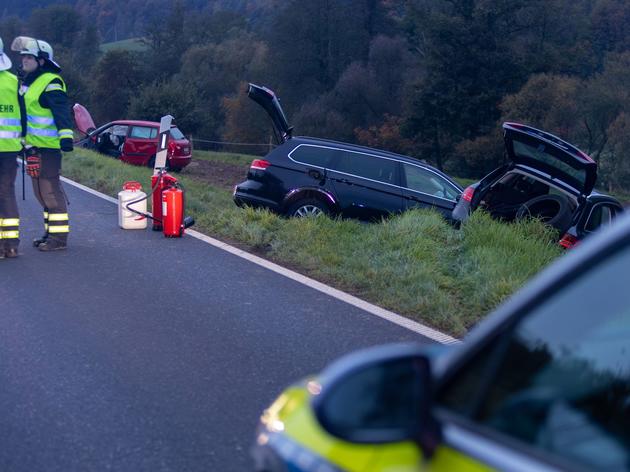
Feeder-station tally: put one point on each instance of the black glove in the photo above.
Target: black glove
(66, 144)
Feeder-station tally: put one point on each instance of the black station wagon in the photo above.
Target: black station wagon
(308, 176)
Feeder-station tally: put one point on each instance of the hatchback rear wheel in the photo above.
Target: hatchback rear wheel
(308, 207)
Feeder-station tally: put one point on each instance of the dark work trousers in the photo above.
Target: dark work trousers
(8, 203)
(48, 191)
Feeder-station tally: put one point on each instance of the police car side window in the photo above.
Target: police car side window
(560, 381)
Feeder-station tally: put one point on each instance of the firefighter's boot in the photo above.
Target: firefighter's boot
(38, 241)
(54, 243)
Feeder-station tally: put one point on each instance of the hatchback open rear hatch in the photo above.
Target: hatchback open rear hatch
(267, 99)
(562, 162)
(83, 119)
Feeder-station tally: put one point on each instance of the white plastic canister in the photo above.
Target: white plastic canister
(126, 219)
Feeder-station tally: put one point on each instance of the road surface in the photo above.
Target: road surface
(133, 352)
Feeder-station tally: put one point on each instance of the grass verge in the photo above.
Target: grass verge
(414, 264)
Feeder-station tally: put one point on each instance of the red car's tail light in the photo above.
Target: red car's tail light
(468, 193)
(259, 164)
(171, 147)
(568, 241)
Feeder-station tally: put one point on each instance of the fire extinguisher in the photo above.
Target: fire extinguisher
(167, 193)
(168, 205)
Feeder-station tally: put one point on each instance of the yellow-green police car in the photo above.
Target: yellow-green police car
(541, 384)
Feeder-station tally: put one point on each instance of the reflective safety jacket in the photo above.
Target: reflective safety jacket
(41, 129)
(10, 124)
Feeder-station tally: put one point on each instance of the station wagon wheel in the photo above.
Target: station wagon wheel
(309, 207)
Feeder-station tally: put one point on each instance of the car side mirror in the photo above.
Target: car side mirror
(380, 395)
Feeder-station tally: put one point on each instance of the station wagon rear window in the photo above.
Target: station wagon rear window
(549, 158)
(319, 156)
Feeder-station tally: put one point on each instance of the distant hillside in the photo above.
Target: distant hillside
(122, 19)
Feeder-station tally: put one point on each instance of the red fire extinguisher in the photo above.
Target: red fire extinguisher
(168, 206)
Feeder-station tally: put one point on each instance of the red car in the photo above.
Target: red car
(132, 141)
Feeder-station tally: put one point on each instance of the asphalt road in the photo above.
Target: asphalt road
(133, 352)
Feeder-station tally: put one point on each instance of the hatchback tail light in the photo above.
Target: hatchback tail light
(568, 241)
(468, 193)
(259, 164)
(171, 147)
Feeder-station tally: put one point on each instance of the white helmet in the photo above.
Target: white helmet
(34, 47)
(5, 62)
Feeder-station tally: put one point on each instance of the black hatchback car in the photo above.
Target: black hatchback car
(547, 178)
(308, 176)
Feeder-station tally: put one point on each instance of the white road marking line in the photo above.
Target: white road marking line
(330, 291)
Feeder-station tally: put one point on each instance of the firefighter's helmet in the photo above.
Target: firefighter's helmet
(5, 62)
(34, 47)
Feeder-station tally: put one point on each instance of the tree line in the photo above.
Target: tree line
(432, 79)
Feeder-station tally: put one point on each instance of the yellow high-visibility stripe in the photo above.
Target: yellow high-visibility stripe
(10, 234)
(10, 222)
(59, 229)
(57, 217)
(45, 215)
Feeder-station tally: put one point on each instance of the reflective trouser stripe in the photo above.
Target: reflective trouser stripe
(58, 223)
(46, 220)
(9, 228)
(57, 217)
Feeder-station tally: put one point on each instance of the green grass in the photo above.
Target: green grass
(227, 157)
(414, 264)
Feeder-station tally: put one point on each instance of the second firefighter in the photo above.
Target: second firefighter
(45, 109)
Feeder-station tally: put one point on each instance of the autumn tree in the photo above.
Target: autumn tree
(117, 76)
(166, 98)
(312, 43)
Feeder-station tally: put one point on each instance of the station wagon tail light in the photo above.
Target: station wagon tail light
(568, 241)
(468, 193)
(259, 164)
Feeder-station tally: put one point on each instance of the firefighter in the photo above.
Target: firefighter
(46, 114)
(10, 146)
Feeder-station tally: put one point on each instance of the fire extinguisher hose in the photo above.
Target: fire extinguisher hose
(146, 197)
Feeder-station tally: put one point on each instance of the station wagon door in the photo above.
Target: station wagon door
(423, 188)
(366, 185)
